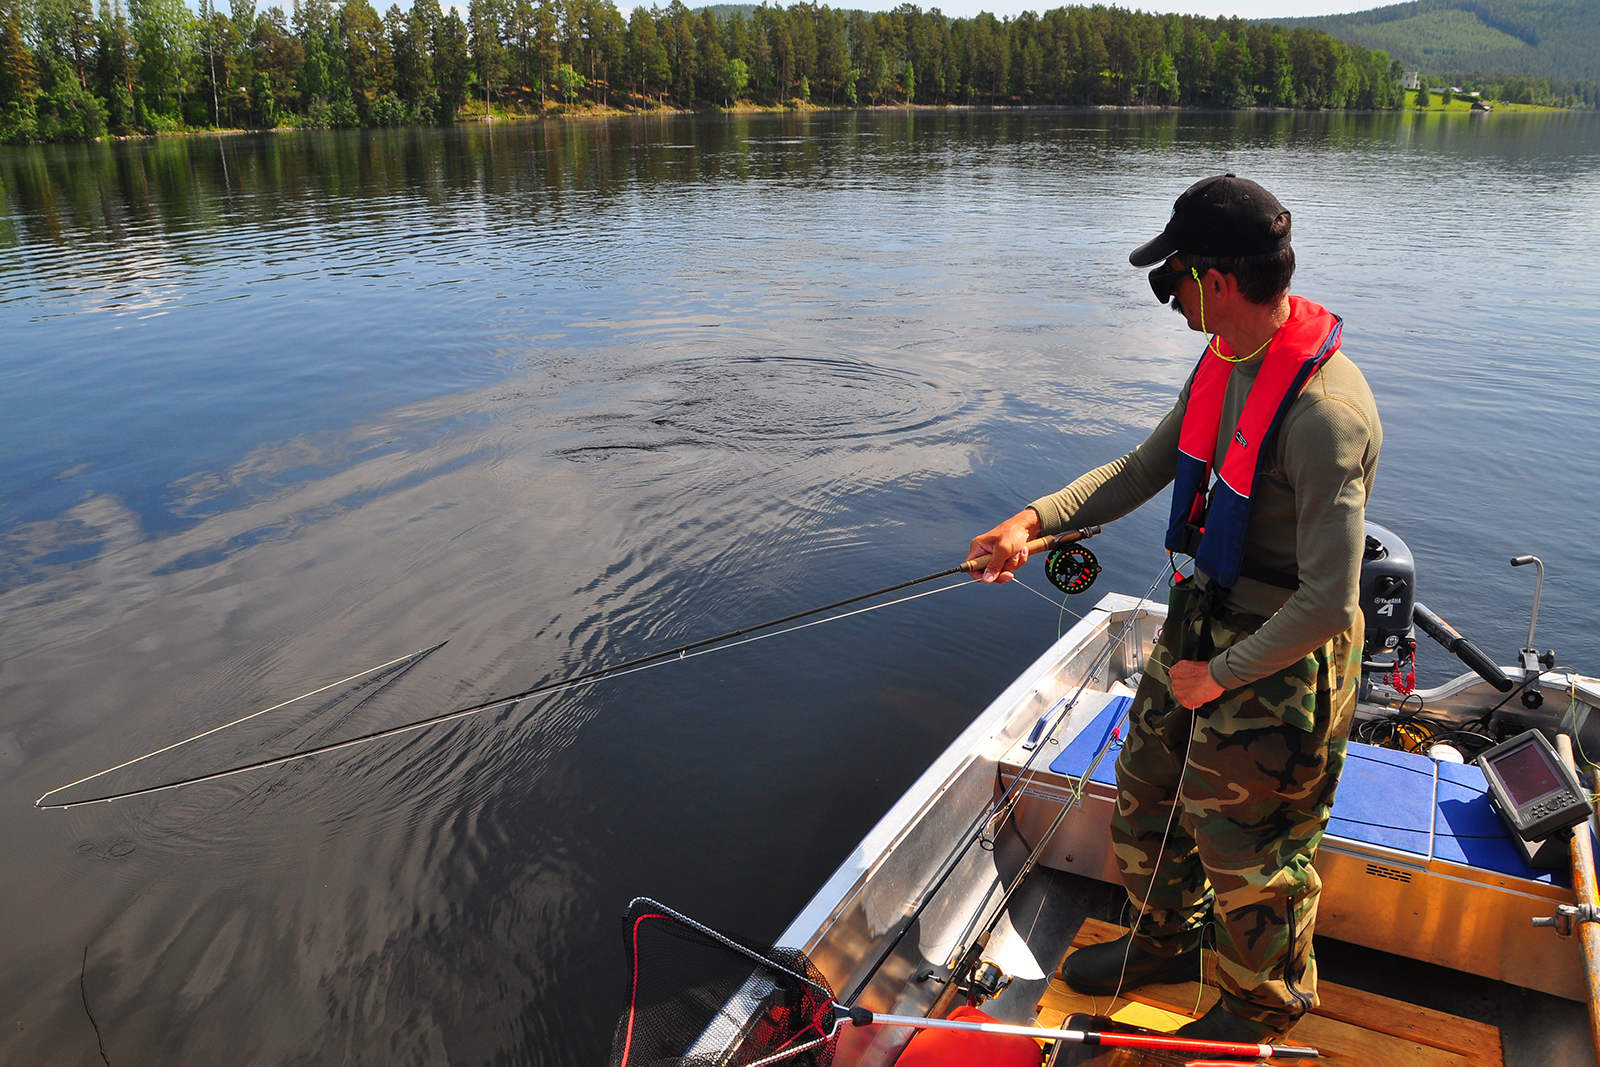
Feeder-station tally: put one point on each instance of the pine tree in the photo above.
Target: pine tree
(114, 68)
(548, 45)
(80, 38)
(485, 24)
(451, 63)
(18, 81)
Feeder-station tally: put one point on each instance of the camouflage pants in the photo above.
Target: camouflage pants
(1256, 792)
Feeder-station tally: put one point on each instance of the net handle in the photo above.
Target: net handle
(1162, 1042)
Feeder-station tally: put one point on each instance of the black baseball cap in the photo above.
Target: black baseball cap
(1224, 217)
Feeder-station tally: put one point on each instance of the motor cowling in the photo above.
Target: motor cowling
(1388, 594)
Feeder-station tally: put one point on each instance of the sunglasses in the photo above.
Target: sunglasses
(1164, 283)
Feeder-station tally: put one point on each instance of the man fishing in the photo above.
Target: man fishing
(1237, 734)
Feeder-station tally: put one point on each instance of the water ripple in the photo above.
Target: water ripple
(280, 407)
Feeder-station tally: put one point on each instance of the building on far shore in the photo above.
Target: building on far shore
(1410, 80)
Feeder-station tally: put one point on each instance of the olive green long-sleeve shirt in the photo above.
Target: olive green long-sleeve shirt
(1307, 517)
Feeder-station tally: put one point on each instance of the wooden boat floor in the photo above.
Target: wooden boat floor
(1350, 1026)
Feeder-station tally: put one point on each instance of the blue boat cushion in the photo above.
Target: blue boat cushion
(1074, 759)
(1385, 798)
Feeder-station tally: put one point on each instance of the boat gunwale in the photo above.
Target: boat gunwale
(1004, 721)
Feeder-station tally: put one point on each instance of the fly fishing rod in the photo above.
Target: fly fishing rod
(971, 566)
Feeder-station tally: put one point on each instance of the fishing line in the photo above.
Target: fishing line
(681, 652)
(1008, 802)
(417, 655)
(631, 667)
(1155, 869)
(1047, 599)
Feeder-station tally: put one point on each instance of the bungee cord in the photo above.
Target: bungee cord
(654, 659)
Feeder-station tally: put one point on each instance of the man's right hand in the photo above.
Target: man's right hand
(1006, 545)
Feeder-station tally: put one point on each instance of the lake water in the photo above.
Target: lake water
(278, 408)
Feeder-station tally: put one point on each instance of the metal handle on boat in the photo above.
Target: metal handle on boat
(1036, 546)
(1538, 587)
(1584, 893)
(1568, 914)
(1463, 649)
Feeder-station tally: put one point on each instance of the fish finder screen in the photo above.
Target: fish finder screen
(1527, 775)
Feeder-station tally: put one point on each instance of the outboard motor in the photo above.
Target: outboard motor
(1388, 597)
(1389, 602)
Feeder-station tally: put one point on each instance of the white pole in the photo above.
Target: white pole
(1246, 1049)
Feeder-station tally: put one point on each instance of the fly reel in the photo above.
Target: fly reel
(1071, 568)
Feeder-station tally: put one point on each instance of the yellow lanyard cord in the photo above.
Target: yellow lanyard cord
(1212, 343)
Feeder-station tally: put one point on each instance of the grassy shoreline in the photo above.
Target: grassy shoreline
(591, 113)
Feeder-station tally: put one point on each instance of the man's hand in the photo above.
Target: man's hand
(1006, 545)
(1192, 684)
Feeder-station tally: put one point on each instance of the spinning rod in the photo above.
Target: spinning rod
(971, 566)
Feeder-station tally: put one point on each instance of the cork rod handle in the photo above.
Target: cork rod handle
(1041, 544)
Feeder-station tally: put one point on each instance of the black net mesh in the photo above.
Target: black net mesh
(697, 998)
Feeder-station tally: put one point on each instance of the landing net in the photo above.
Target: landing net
(699, 998)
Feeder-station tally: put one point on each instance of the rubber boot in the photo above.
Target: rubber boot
(1117, 966)
(1219, 1024)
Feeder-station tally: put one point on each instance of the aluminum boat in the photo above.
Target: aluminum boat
(1425, 903)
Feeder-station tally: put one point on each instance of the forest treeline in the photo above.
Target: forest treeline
(75, 69)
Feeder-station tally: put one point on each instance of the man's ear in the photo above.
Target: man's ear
(1222, 286)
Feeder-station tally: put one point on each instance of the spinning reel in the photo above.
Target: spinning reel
(1071, 568)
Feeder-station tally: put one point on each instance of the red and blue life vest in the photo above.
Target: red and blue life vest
(1296, 352)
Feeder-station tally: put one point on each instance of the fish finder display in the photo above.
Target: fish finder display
(1534, 792)
(1528, 775)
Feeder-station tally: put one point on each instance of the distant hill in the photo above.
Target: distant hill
(1543, 38)
(1557, 39)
